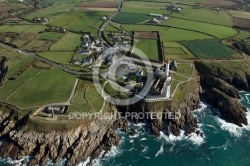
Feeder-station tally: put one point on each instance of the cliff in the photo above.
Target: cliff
(219, 81)
(75, 145)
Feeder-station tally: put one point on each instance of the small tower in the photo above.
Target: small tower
(167, 63)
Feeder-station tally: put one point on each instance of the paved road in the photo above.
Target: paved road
(104, 25)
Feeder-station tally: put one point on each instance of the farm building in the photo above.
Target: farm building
(55, 109)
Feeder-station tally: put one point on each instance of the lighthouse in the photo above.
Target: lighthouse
(167, 64)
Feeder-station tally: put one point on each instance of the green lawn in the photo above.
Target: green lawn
(87, 99)
(131, 18)
(209, 49)
(68, 42)
(59, 57)
(51, 36)
(214, 30)
(49, 86)
(185, 69)
(150, 48)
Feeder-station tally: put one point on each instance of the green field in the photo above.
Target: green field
(80, 21)
(36, 29)
(59, 57)
(68, 42)
(51, 36)
(131, 18)
(87, 99)
(176, 51)
(240, 14)
(53, 11)
(11, 85)
(49, 86)
(174, 34)
(17, 65)
(4, 27)
(150, 48)
(131, 27)
(168, 34)
(203, 14)
(209, 49)
(37, 45)
(218, 31)
(13, 56)
(18, 28)
(144, 7)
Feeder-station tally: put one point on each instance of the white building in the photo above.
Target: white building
(167, 67)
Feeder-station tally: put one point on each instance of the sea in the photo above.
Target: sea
(222, 144)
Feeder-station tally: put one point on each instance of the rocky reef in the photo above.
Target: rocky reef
(75, 145)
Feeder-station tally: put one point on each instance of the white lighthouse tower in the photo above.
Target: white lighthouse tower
(167, 66)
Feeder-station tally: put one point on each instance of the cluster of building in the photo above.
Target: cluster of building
(40, 20)
(55, 29)
(160, 87)
(158, 18)
(56, 109)
(89, 45)
(174, 8)
(109, 56)
(120, 38)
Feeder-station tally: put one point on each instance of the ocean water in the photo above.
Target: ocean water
(222, 144)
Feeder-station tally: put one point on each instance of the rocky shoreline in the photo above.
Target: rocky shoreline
(75, 145)
(100, 135)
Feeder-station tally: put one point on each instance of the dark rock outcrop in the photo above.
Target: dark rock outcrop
(218, 83)
(230, 108)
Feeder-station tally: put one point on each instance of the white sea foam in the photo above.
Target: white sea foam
(16, 162)
(134, 136)
(113, 152)
(139, 125)
(160, 151)
(85, 162)
(232, 128)
(248, 98)
(59, 163)
(203, 106)
(196, 139)
(143, 139)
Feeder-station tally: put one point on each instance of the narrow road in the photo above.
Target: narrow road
(105, 24)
